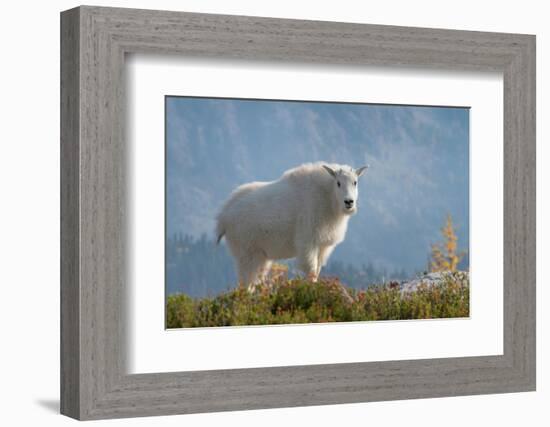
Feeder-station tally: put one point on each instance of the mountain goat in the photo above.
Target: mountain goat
(303, 214)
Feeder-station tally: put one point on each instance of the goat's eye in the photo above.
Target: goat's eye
(338, 183)
(355, 183)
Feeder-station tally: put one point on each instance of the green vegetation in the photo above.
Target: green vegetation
(284, 301)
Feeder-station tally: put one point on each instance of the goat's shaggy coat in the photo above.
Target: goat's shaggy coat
(304, 214)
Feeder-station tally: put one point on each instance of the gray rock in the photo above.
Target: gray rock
(434, 279)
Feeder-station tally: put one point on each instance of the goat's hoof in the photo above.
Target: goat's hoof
(312, 277)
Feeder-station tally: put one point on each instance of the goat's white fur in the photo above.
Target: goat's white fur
(303, 214)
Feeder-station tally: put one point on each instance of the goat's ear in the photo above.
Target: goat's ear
(361, 170)
(330, 171)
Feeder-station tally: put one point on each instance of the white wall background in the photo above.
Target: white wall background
(29, 213)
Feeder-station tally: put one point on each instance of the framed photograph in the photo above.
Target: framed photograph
(261, 213)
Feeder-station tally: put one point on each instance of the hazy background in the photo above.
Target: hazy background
(418, 157)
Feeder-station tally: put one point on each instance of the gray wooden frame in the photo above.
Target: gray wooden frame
(94, 41)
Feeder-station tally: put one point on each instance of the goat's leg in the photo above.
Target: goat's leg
(324, 253)
(264, 270)
(308, 259)
(251, 268)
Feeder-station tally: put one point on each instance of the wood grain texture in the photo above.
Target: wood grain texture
(94, 382)
(70, 220)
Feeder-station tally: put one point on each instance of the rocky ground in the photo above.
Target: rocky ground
(433, 279)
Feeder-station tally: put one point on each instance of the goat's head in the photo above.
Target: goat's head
(345, 187)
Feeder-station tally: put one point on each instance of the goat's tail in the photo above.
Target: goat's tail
(220, 231)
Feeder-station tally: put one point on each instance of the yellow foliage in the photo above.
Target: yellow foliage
(444, 255)
(278, 272)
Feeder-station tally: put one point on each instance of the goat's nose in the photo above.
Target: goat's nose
(349, 202)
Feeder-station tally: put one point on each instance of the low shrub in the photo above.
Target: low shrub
(284, 301)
